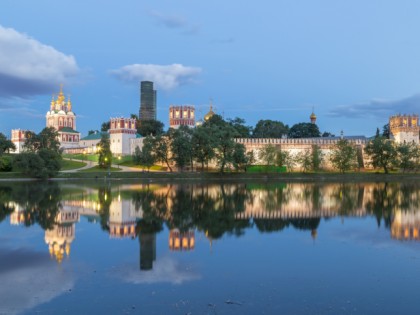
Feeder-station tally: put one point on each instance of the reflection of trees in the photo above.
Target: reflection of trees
(270, 225)
(5, 208)
(305, 224)
(389, 197)
(40, 202)
(209, 208)
(349, 197)
(104, 199)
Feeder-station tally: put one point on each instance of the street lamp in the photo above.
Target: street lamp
(119, 161)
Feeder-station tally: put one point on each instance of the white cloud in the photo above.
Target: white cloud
(29, 279)
(28, 67)
(164, 270)
(378, 108)
(165, 77)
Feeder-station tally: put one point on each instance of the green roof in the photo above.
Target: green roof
(138, 135)
(68, 129)
(95, 136)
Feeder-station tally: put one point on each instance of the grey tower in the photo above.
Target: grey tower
(147, 101)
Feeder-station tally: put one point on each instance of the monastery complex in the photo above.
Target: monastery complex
(124, 138)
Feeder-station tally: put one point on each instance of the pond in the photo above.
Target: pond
(123, 247)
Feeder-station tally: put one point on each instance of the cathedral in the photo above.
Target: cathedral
(61, 117)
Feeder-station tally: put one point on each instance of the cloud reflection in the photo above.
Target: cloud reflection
(28, 279)
(164, 270)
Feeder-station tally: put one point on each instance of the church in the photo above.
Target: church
(61, 117)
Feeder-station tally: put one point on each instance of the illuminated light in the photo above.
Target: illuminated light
(415, 233)
(406, 232)
(184, 242)
(177, 243)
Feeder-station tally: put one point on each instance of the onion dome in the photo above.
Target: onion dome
(210, 114)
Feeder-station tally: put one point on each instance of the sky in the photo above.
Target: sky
(354, 62)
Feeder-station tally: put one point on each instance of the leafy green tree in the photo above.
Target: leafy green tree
(327, 134)
(6, 163)
(270, 129)
(147, 158)
(386, 132)
(242, 131)
(222, 137)
(181, 146)
(268, 154)
(150, 127)
(5, 144)
(162, 150)
(304, 158)
(104, 149)
(137, 156)
(343, 156)
(239, 158)
(382, 153)
(52, 161)
(285, 158)
(408, 154)
(30, 164)
(46, 139)
(317, 157)
(250, 158)
(105, 126)
(304, 130)
(202, 146)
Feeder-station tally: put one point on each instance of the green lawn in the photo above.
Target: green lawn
(71, 165)
(82, 157)
(97, 169)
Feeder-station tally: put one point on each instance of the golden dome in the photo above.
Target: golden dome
(313, 116)
(210, 114)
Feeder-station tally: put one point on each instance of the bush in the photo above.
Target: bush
(6, 164)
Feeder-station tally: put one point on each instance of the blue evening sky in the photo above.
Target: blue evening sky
(356, 62)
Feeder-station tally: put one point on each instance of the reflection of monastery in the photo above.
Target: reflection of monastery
(288, 203)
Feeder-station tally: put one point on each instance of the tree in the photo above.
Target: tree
(46, 139)
(285, 158)
(382, 153)
(105, 126)
(268, 154)
(181, 146)
(327, 134)
(150, 127)
(147, 158)
(408, 154)
(105, 154)
(202, 146)
(239, 158)
(386, 132)
(238, 124)
(270, 129)
(343, 156)
(30, 164)
(161, 150)
(304, 158)
(91, 132)
(317, 157)
(5, 144)
(304, 130)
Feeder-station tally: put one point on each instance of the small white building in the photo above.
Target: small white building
(120, 132)
(19, 137)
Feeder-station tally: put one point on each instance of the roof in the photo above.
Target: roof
(95, 136)
(68, 129)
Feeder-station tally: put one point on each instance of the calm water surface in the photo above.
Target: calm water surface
(277, 248)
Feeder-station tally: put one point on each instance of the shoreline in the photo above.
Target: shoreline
(175, 176)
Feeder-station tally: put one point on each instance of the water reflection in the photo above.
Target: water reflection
(142, 211)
